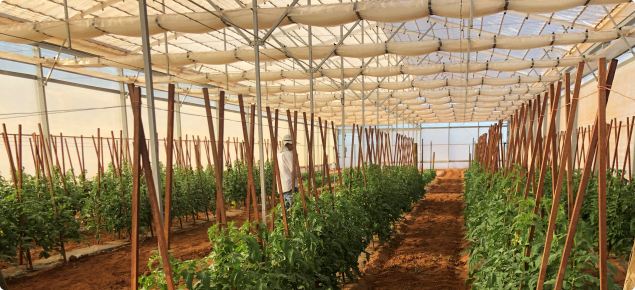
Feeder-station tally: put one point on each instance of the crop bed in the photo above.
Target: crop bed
(498, 220)
(425, 253)
(110, 270)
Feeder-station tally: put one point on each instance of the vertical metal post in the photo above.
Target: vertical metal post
(152, 126)
(263, 189)
(122, 103)
(421, 142)
(449, 143)
(363, 107)
(177, 116)
(377, 102)
(467, 60)
(217, 121)
(311, 105)
(430, 154)
(41, 103)
(165, 37)
(343, 100)
(68, 29)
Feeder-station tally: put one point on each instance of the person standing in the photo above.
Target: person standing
(285, 164)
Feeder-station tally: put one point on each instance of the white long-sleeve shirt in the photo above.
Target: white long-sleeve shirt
(285, 164)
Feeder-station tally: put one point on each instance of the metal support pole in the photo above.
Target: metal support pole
(311, 105)
(377, 102)
(421, 144)
(363, 108)
(343, 100)
(68, 29)
(449, 145)
(430, 154)
(467, 61)
(122, 103)
(41, 103)
(177, 117)
(256, 42)
(630, 47)
(152, 126)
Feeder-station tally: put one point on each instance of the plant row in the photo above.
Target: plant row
(323, 245)
(45, 215)
(498, 221)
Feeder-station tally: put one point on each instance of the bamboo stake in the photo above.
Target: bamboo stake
(564, 159)
(218, 167)
(293, 127)
(220, 197)
(530, 180)
(607, 81)
(50, 182)
(570, 114)
(629, 135)
(614, 165)
(169, 173)
(141, 149)
(337, 155)
(548, 147)
(323, 134)
(352, 155)
(276, 170)
(250, 181)
(309, 142)
(602, 164)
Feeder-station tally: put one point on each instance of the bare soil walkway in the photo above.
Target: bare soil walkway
(426, 251)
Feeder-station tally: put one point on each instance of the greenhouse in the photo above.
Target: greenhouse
(318, 144)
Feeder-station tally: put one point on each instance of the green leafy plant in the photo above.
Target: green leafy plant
(498, 221)
(311, 257)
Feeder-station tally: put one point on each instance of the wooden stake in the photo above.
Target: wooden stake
(564, 159)
(140, 147)
(167, 211)
(606, 80)
(276, 170)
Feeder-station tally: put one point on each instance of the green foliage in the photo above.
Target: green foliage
(498, 221)
(38, 220)
(99, 206)
(312, 256)
(235, 181)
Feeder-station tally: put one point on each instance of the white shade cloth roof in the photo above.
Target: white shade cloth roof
(421, 70)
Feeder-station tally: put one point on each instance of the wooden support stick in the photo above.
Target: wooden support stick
(614, 164)
(167, 211)
(250, 181)
(337, 155)
(548, 149)
(293, 127)
(218, 167)
(564, 159)
(629, 135)
(602, 166)
(606, 79)
(142, 150)
(276, 170)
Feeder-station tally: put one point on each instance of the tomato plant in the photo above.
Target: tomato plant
(498, 220)
(312, 256)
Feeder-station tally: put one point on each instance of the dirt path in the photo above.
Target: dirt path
(426, 251)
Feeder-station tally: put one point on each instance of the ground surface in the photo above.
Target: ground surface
(426, 251)
(111, 270)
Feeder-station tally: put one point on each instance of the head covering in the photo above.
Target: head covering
(287, 139)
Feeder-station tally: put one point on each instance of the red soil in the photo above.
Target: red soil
(426, 251)
(111, 270)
